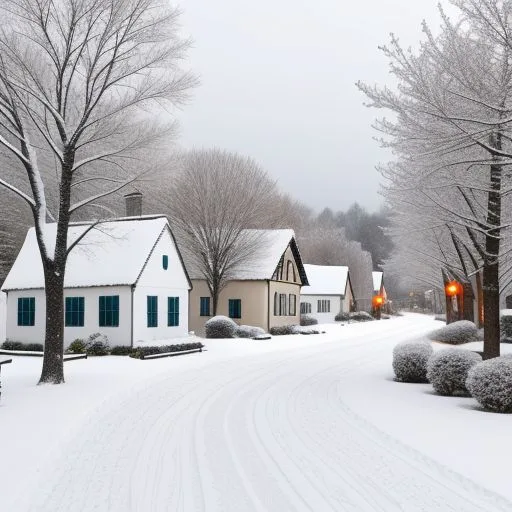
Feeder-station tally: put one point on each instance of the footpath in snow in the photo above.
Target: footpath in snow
(311, 423)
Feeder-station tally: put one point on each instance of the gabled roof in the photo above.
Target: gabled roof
(325, 280)
(272, 244)
(111, 253)
(377, 281)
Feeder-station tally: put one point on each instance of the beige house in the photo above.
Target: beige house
(264, 293)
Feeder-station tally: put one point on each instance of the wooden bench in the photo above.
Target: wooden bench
(2, 362)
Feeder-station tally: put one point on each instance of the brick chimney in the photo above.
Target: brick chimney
(133, 203)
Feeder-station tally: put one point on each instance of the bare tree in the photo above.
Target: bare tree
(77, 78)
(218, 201)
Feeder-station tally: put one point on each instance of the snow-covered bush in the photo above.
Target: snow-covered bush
(342, 317)
(283, 330)
(77, 346)
(307, 320)
(220, 327)
(24, 347)
(361, 316)
(410, 361)
(142, 352)
(121, 350)
(490, 383)
(506, 327)
(456, 333)
(447, 370)
(97, 345)
(248, 331)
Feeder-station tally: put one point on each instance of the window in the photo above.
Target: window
(165, 261)
(282, 304)
(26, 311)
(235, 308)
(305, 308)
(173, 311)
(109, 311)
(152, 311)
(324, 306)
(290, 272)
(276, 304)
(292, 304)
(74, 316)
(204, 306)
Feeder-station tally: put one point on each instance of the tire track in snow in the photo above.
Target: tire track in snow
(267, 432)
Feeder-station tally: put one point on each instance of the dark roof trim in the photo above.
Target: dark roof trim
(298, 259)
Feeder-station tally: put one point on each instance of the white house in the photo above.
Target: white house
(329, 292)
(125, 279)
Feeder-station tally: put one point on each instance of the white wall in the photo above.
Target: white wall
(154, 280)
(3, 299)
(35, 334)
(323, 318)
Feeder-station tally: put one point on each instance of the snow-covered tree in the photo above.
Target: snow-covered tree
(218, 202)
(77, 79)
(451, 135)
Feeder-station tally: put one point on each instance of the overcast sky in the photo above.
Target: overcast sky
(277, 84)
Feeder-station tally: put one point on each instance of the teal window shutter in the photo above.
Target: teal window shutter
(26, 311)
(204, 306)
(165, 261)
(152, 311)
(235, 308)
(74, 312)
(109, 311)
(173, 311)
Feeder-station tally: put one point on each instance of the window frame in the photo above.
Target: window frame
(283, 304)
(151, 311)
(205, 311)
(74, 311)
(26, 311)
(108, 316)
(173, 313)
(292, 311)
(235, 308)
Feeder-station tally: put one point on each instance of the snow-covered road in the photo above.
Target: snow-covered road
(251, 432)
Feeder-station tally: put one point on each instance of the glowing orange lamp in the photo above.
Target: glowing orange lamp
(452, 288)
(378, 300)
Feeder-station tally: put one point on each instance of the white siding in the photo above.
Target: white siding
(3, 299)
(162, 283)
(323, 318)
(35, 334)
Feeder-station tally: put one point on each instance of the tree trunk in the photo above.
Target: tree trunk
(54, 270)
(491, 284)
(53, 362)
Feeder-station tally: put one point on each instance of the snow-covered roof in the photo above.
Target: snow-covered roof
(111, 253)
(325, 280)
(270, 244)
(377, 281)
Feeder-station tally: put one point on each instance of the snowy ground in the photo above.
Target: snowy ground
(297, 423)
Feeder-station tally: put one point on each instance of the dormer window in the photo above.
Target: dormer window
(165, 261)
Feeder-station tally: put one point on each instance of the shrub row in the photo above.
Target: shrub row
(306, 320)
(140, 352)
(457, 372)
(25, 347)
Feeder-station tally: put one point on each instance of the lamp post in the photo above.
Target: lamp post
(377, 301)
(454, 309)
